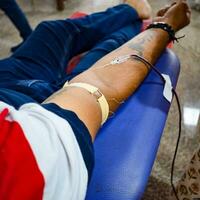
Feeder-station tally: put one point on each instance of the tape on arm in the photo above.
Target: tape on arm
(97, 94)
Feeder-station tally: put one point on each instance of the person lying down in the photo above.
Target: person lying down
(49, 119)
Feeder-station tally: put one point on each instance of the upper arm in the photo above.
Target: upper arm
(39, 150)
(82, 103)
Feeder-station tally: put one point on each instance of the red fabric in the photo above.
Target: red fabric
(20, 177)
(72, 63)
(146, 23)
(78, 15)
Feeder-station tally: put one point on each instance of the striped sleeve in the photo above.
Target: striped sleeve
(39, 156)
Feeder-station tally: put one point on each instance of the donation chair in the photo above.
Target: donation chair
(127, 144)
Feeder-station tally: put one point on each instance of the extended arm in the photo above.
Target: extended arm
(118, 82)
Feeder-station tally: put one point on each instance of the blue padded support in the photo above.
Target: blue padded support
(126, 146)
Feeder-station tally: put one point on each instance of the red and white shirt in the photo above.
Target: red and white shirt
(39, 156)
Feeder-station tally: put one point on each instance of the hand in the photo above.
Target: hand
(177, 15)
(162, 11)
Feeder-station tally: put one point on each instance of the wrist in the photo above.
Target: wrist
(167, 21)
(165, 27)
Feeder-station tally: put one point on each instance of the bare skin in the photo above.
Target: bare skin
(118, 82)
(142, 6)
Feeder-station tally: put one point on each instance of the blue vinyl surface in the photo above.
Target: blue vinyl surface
(126, 146)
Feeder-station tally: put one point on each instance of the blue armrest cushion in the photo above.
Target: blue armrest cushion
(126, 146)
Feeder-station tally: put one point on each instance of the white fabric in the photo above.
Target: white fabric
(56, 151)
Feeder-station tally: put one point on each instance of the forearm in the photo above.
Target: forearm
(116, 82)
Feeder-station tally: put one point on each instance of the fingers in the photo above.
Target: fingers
(188, 14)
(185, 5)
(163, 11)
(187, 10)
(173, 3)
